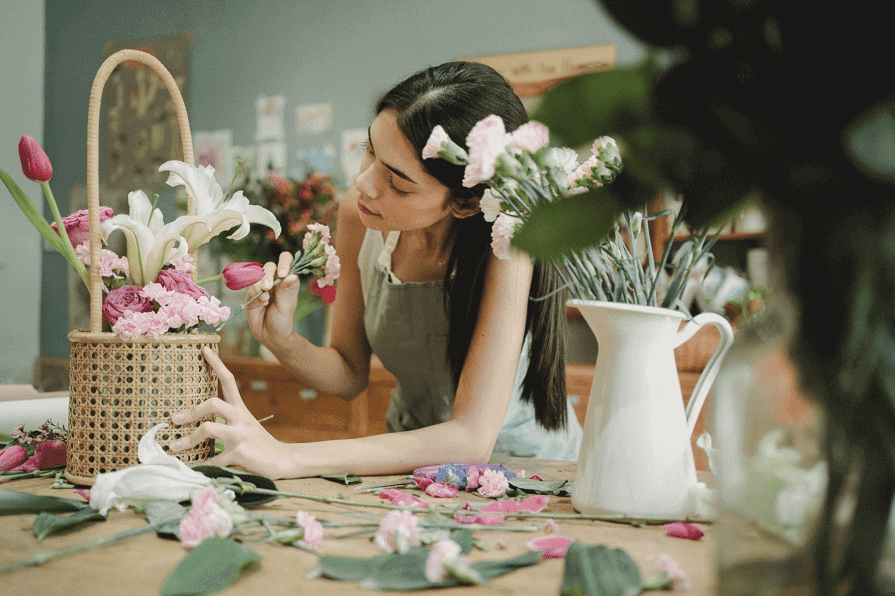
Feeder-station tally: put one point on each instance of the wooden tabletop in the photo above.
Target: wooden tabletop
(141, 564)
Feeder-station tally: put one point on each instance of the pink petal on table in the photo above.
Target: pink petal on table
(397, 497)
(554, 547)
(441, 489)
(423, 482)
(536, 477)
(481, 519)
(84, 493)
(684, 530)
(533, 504)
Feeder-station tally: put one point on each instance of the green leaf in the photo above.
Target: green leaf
(540, 487)
(166, 515)
(342, 478)
(48, 523)
(599, 571)
(15, 503)
(610, 102)
(555, 229)
(350, 569)
(307, 303)
(212, 566)
(245, 499)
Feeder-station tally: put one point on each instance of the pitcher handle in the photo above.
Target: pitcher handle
(701, 390)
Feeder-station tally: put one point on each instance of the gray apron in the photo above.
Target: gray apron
(407, 329)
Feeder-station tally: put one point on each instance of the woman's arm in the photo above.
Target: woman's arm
(342, 368)
(484, 391)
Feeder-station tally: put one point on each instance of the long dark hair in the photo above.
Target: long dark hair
(457, 95)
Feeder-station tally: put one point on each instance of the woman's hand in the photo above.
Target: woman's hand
(272, 314)
(246, 443)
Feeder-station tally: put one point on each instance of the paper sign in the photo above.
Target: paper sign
(353, 147)
(214, 148)
(268, 157)
(270, 118)
(314, 118)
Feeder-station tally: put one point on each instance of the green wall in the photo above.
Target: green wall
(345, 52)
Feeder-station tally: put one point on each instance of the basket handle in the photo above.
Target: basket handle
(93, 187)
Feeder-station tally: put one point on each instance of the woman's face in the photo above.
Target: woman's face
(395, 192)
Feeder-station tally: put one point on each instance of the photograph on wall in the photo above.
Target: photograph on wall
(213, 148)
(314, 118)
(269, 119)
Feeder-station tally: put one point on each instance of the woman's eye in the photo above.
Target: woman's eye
(398, 191)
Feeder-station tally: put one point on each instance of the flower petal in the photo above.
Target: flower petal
(684, 530)
(554, 547)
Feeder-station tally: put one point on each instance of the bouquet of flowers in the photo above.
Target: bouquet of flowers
(298, 205)
(523, 173)
(152, 291)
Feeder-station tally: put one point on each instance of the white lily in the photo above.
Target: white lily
(208, 213)
(149, 240)
(159, 476)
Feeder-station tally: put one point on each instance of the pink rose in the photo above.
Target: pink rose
(125, 299)
(48, 454)
(35, 164)
(486, 142)
(181, 282)
(492, 483)
(77, 225)
(313, 530)
(11, 457)
(530, 137)
(398, 531)
(242, 275)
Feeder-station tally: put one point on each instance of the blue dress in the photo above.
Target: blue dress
(408, 330)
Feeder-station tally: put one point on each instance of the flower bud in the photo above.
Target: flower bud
(242, 275)
(35, 164)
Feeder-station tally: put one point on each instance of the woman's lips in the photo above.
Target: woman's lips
(364, 209)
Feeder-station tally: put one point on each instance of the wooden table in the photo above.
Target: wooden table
(140, 565)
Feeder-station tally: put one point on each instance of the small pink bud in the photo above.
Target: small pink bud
(242, 275)
(35, 163)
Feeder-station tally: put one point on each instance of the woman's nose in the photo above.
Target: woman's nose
(364, 181)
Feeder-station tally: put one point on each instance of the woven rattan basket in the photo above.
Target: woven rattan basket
(120, 389)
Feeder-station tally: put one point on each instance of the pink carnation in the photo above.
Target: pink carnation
(206, 519)
(486, 142)
(313, 530)
(77, 225)
(397, 531)
(111, 265)
(434, 143)
(502, 233)
(678, 577)
(441, 489)
(312, 228)
(492, 483)
(132, 325)
(530, 137)
(180, 281)
(331, 269)
(185, 263)
(211, 311)
(442, 552)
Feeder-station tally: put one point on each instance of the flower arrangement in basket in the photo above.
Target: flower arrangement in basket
(150, 365)
(523, 173)
(299, 205)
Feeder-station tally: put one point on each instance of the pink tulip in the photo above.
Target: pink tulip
(35, 164)
(11, 457)
(77, 225)
(242, 275)
(684, 530)
(48, 454)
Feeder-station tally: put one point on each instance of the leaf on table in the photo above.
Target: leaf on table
(342, 478)
(49, 523)
(15, 503)
(597, 570)
(166, 515)
(247, 499)
(542, 487)
(212, 566)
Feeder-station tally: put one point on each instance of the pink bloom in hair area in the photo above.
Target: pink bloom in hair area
(313, 530)
(492, 483)
(206, 519)
(486, 142)
(502, 233)
(434, 143)
(530, 137)
(77, 225)
(398, 532)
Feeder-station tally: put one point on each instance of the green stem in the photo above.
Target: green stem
(209, 280)
(71, 256)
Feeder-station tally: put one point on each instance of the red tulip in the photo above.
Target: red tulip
(242, 275)
(48, 454)
(35, 163)
(11, 457)
(327, 293)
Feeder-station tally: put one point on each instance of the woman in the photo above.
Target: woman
(480, 366)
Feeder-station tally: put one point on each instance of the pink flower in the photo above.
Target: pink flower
(492, 483)
(35, 164)
(48, 454)
(132, 325)
(398, 531)
(211, 311)
(554, 547)
(327, 293)
(442, 552)
(473, 475)
(77, 225)
(530, 137)
(111, 265)
(534, 504)
(684, 530)
(422, 483)
(309, 235)
(441, 489)
(502, 233)
(84, 493)
(242, 275)
(206, 519)
(11, 457)
(313, 530)
(550, 525)
(331, 269)
(434, 143)
(583, 175)
(397, 497)
(486, 142)
(483, 519)
(185, 263)
(125, 299)
(180, 281)
(678, 577)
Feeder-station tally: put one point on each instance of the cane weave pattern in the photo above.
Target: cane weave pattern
(119, 390)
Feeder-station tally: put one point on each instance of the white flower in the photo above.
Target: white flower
(563, 158)
(158, 477)
(502, 233)
(208, 213)
(441, 553)
(490, 205)
(149, 241)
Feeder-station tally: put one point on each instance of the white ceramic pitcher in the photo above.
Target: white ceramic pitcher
(636, 456)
